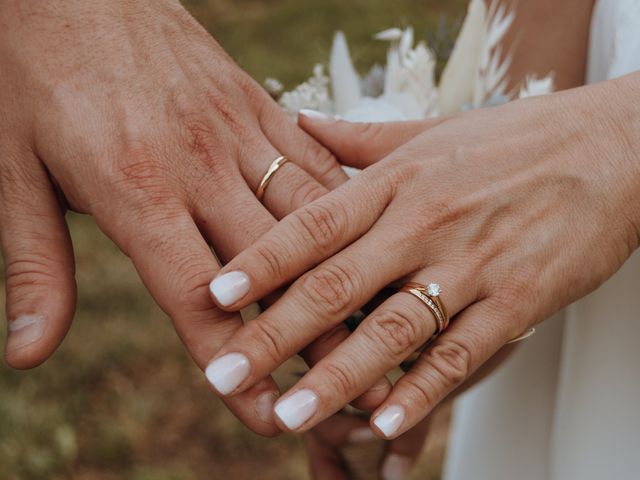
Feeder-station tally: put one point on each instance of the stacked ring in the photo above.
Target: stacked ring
(430, 296)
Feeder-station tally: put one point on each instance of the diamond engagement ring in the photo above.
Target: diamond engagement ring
(430, 296)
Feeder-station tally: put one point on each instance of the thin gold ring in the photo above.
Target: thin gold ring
(529, 333)
(271, 171)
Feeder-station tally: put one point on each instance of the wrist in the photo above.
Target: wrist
(626, 110)
(617, 114)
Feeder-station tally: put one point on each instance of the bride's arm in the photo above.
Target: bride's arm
(550, 36)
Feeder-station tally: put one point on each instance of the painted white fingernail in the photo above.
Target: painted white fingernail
(24, 331)
(227, 372)
(296, 409)
(264, 406)
(230, 287)
(315, 115)
(389, 420)
(359, 435)
(395, 467)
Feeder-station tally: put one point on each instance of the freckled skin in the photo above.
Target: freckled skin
(129, 111)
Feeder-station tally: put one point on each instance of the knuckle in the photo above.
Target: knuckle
(227, 110)
(443, 368)
(332, 288)
(422, 390)
(394, 330)
(321, 225)
(441, 220)
(197, 135)
(198, 138)
(30, 271)
(139, 171)
(450, 361)
(305, 193)
(510, 295)
(343, 381)
(191, 286)
(320, 161)
(270, 260)
(254, 94)
(13, 176)
(442, 214)
(185, 289)
(514, 300)
(275, 345)
(139, 180)
(369, 129)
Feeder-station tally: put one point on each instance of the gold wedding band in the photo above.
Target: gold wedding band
(529, 333)
(271, 171)
(430, 296)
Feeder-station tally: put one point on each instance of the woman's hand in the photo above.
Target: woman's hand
(139, 118)
(516, 211)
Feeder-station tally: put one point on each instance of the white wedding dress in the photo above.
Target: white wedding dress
(566, 406)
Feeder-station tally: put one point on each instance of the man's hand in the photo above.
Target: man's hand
(133, 113)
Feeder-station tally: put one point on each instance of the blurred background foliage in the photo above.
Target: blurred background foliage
(121, 399)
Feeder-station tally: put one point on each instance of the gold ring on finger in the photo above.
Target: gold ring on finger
(271, 171)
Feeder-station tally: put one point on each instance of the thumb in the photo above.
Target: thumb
(39, 266)
(360, 145)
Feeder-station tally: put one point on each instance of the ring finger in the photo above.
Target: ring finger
(478, 333)
(290, 186)
(384, 339)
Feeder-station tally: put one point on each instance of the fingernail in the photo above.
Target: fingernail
(24, 331)
(230, 287)
(264, 406)
(227, 372)
(395, 467)
(315, 115)
(296, 409)
(359, 435)
(389, 420)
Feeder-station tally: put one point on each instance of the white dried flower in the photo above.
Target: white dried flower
(405, 89)
(390, 35)
(313, 94)
(273, 87)
(534, 86)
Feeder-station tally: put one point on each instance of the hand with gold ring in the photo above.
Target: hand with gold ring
(515, 211)
(140, 119)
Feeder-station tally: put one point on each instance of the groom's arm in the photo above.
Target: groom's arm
(138, 117)
(550, 36)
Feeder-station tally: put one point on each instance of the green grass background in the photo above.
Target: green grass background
(120, 399)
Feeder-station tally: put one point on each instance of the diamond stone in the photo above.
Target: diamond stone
(434, 290)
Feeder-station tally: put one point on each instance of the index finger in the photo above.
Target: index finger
(301, 241)
(174, 263)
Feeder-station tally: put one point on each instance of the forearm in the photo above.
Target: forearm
(550, 36)
(620, 107)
